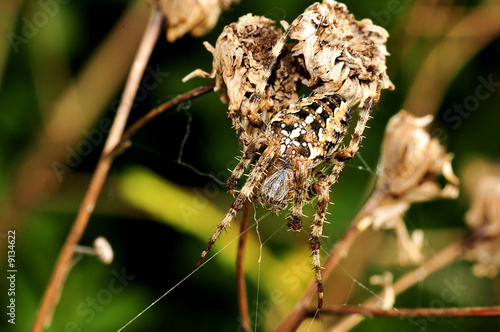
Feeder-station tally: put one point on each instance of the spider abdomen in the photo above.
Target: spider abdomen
(311, 129)
(276, 187)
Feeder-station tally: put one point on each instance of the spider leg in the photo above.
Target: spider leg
(357, 136)
(266, 160)
(321, 188)
(300, 177)
(241, 132)
(245, 161)
(256, 96)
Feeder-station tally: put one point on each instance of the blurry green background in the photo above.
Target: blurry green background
(62, 69)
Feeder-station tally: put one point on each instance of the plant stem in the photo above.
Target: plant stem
(339, 250)
(56, 281)
(493, 311)
(122, 144)
(445, 257)
(240, 270)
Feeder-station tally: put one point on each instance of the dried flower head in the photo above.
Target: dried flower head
(483, 218)
(340, 54)
(411, 163)
(196, 17)
(241, 56)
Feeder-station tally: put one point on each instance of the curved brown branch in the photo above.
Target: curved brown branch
(56, 281)
(122, 144)
(240, 270)
(37, 176)
(493, 311)
(442, 259)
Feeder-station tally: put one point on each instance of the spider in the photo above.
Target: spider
(286, 156)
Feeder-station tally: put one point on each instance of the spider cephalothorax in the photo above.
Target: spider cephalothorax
(287, 140)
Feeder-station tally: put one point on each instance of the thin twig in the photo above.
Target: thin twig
(339, 250)
(493, 311)
(157, 111)
(42, 167)
(240, 270)
(138, 67)
(442, 259)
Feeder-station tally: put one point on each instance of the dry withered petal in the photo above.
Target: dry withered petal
(411, 163)
(195, 16)
(340, 54)
(241, 56)
(337, 54)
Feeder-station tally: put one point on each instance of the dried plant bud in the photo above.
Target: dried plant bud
(101, 248)
(411, 163)
(196, 17)
(483, 218)
(389, 295)
(241, 57)
(340, 54)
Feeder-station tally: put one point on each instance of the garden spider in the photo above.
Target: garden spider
(288, 149)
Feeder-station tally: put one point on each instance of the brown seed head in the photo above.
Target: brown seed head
(412, 161)
(242, 54)
(195, 16)
(340, 54)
